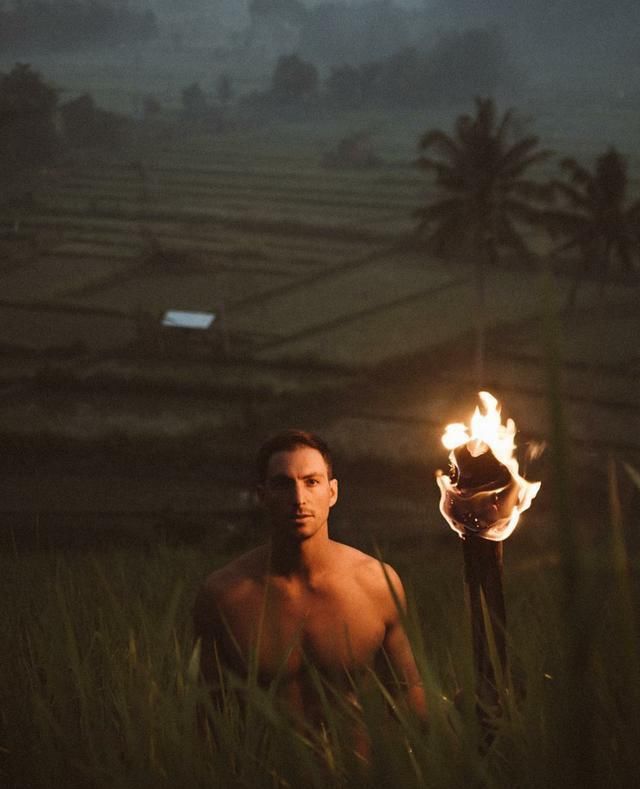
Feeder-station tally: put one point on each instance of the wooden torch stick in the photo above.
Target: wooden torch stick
(483, 578)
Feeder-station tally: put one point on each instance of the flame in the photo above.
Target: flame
(489, 509)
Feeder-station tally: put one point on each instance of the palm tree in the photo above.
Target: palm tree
(483, 196)
(597, 219)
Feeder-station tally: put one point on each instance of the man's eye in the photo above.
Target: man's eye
(313, 482)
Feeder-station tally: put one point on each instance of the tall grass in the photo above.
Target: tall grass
(99, 685)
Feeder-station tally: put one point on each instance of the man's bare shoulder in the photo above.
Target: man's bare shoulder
(234, 579)
(378, 577)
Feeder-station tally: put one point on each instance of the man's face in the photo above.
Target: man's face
(297, 492)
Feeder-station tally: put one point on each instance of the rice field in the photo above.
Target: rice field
(306, 261)
(235, 223)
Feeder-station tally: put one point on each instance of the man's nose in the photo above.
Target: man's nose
(300, 493)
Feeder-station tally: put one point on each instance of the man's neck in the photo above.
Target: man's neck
(302, 560)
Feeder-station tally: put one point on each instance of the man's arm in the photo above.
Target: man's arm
(398, 648)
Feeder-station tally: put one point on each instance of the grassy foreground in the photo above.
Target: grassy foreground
(98, 684)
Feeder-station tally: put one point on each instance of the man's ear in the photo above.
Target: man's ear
(333, 487)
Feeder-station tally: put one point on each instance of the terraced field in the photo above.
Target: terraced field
(220, 221)
(300, 263)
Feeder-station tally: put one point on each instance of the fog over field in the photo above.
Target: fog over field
(559, 45)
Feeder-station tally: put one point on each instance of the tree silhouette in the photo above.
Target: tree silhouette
(28, 135)
(596, 219)
(28, 138)
(85, 125)
(483, 196)
(294, 81)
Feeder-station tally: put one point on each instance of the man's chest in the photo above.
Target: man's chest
(334, 630)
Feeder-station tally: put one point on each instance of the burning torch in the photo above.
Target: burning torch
(482, 498)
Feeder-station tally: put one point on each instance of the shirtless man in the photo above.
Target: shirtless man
(303, 598)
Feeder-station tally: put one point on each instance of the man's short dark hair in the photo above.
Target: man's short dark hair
(287, 441)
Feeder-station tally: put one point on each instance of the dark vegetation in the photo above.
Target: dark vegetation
(486, 198)
(45, 26)
(597, 219)
(37, 132)
(198, 111)
(453, 70)
(28, 136)
(84, 125)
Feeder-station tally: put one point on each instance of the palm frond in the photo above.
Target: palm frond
(559, 222)
(504, 127)
(451, 180)
(427, 163)
(572, 195)
(522, 156)
(611, 176)
(485, 119)
(441, 208)
(441, 142)
(509, 237)
(447, 238)
(464, 128)
(523, 211)
(578, 174)
(531, 190)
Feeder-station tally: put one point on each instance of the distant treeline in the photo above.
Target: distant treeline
(38, 25)
(456, 68)
(34, 128)
(378, 53)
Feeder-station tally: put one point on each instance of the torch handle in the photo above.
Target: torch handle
(483, 576)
